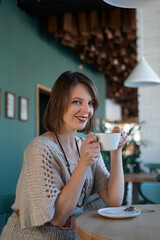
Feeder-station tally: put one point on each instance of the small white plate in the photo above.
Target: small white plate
(117, 212)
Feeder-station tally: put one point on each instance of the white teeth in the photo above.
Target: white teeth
(82, 118)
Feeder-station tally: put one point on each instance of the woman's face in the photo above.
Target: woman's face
(80, 109)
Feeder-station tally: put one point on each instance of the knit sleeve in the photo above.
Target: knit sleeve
(40, 185)
(101, 175)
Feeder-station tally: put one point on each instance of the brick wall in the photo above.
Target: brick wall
(148, 29)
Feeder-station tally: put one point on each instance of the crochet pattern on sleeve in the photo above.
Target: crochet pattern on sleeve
(48, 173)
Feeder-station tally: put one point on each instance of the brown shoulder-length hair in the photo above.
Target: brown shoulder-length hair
(59, 100)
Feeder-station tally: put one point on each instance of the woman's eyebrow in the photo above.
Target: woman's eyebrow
(80, 98)
(76, 98)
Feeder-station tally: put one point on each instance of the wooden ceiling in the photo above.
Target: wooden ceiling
(48, 7)
(104, 37)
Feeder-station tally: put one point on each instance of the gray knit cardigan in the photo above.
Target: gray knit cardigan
(43, 175)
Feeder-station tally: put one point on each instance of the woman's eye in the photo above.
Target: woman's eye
(91, 103)
(76, 102)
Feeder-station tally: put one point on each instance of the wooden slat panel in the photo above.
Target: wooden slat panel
(106, 39)
(53, 24)
(83, 24)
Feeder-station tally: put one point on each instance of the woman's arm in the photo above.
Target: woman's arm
(69, 196)
(113, 194)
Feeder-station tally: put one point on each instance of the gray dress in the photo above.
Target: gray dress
(43, 175)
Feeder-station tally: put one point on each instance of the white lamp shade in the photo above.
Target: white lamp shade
(133, 3)
(142, 75)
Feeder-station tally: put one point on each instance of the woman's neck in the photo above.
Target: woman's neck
(67, 139)
(68, 144)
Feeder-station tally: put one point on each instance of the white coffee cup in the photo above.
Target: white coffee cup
(108, 141)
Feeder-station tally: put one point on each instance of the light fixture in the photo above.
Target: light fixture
(142, 75)
(133, 3)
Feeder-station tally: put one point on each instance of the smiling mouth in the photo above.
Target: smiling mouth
(82, 119)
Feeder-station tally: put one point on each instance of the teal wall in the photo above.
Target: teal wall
(28, 57)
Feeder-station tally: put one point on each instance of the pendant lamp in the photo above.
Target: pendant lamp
(142, 75)
(133, 3)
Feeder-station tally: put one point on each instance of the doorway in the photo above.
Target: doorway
(42, 97)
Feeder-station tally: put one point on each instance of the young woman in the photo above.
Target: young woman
(61, 170)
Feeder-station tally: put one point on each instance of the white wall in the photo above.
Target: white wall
(113, 110)
(149, 97)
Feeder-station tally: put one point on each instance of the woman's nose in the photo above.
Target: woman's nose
(85, 108)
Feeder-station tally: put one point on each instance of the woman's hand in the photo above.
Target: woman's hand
(90, 149)
(124, 136)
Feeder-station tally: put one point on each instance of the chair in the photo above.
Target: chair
(150, 191)
(158, 178)
(153, 167)
(6, 202)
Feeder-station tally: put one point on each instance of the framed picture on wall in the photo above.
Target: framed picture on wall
(23, 109)
(10, 105)
(0, 101)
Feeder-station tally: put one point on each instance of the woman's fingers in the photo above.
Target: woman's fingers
(123, 141)
(90, 147)
(124, 136)
(91, 138)
(117, 129)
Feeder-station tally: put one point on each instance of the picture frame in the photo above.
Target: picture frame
(10, 105)
(23, 109)
(0, 101)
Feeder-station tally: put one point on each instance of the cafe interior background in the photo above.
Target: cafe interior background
(41, 39)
